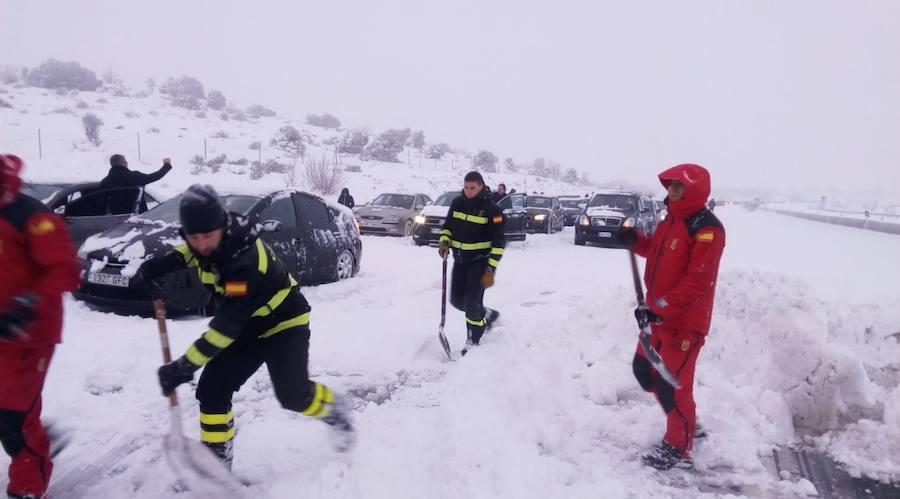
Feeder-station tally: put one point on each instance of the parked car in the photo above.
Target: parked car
(391, 214)
(572, 207)
(608, 212)
(661, 210)
(545, 214)
(316, 240)
(427, 224)
(85, 206)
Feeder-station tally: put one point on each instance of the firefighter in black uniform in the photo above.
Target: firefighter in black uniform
(474, 230)
(262, 318)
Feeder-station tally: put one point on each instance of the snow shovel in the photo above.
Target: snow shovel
(644, 337)
(197, 468)
(441, 335)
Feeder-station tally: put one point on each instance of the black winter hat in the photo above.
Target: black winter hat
(200, 210)
(474, 176)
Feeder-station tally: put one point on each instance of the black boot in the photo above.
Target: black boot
(491, 317)
(700, 432)
(340, 419)
(224, 451)
(664, 457)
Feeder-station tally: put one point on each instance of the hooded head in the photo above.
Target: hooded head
(696, 183)
(345, 191)
(10, 181)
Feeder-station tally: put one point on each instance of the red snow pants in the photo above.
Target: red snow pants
(679, 350)
(22, 373)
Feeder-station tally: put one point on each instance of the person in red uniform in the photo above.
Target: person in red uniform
(682, 267)
(37, 265)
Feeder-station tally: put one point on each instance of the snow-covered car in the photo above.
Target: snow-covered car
(390, 214)
(572, 207)
(316, 240)
(545, 214)
(608, 212)
(427, 224)
(85, 206)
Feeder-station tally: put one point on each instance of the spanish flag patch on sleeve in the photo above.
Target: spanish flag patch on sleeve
(41, 226)
(498, 219)
(706, 236)
(236, 288)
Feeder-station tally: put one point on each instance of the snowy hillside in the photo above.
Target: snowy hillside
(167, 131)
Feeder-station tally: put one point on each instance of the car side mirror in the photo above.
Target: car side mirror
(270, 226)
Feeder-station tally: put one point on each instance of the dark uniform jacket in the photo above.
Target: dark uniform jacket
(474, 229)
(259, 298)
(123, 201)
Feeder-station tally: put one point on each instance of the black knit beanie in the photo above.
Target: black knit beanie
(200, 210)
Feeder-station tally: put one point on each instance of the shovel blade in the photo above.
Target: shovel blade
(196, 467)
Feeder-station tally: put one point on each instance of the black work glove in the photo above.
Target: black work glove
(627, 236)
(645, 316)
(18, 316)
(151, 272)
(175, 373)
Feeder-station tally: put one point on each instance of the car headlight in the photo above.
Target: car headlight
(390, 220)
(539, 218)
(662, 215)
(584, 220)
(629, 222)
(419, 219)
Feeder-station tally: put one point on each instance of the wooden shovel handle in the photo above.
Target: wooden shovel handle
(159, 309)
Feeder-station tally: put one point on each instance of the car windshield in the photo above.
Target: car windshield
(613, 201)
(537, 202)
(394, 200)
(446, 198)
(40, 191)
(168, 212)
(573, 203)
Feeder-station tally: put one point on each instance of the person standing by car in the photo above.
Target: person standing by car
(474, 229)
(263, 318)
(681, 272)
(499, 194)
(38, 265)
(119, 176)
(346, 199)
(712, 204)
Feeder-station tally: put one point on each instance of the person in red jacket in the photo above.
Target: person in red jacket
(682, 266)
(37, 265)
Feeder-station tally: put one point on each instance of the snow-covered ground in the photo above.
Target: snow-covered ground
(547, 406)
(874, 215)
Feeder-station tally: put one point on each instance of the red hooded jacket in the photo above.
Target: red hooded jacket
(683, 254)
(36, 255)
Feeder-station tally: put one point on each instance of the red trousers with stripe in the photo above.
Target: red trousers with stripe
(679, 350)
(22, 373)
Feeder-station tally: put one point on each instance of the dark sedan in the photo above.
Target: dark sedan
(316, 240)
(427, 224)
(545, 214)
(610, 211)
(572, 207)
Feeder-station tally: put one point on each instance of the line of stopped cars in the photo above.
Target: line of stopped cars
(317, 240)
(596, 217)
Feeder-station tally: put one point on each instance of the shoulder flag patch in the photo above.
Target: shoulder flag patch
(236, 288)
(498, 219)
(41, 227)
(706, 236)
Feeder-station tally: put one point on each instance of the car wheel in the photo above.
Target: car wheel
(578, 241)
(344, 265)
(407, 230)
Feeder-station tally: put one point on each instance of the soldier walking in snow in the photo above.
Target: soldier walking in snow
(682, 267)
(37, 265)
(263, 318)
(474, 229)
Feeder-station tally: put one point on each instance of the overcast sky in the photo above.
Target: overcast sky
(780, 93)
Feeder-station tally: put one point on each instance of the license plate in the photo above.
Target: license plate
(604, 234)
(108, 279)
(435, 230)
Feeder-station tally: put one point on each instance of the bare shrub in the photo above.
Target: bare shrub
(92, 127)
(323, 176)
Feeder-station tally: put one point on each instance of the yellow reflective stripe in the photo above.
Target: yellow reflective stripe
(470, 218)
(217, 339)
(188, 255)
(470, 246)
(476, 323)
(445, 232)
(209, 278)
(493, 262)
(300, 320)
(196, 357)
(497, 251)
(444, 238)
(263, 264)
(273, 303)
(216, 418)
(318, 408)
(216, 437)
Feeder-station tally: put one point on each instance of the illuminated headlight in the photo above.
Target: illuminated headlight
(662, 215)
(584, 220)
(539, 218)
(390, 220)
(629, 222)
(419, 219)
